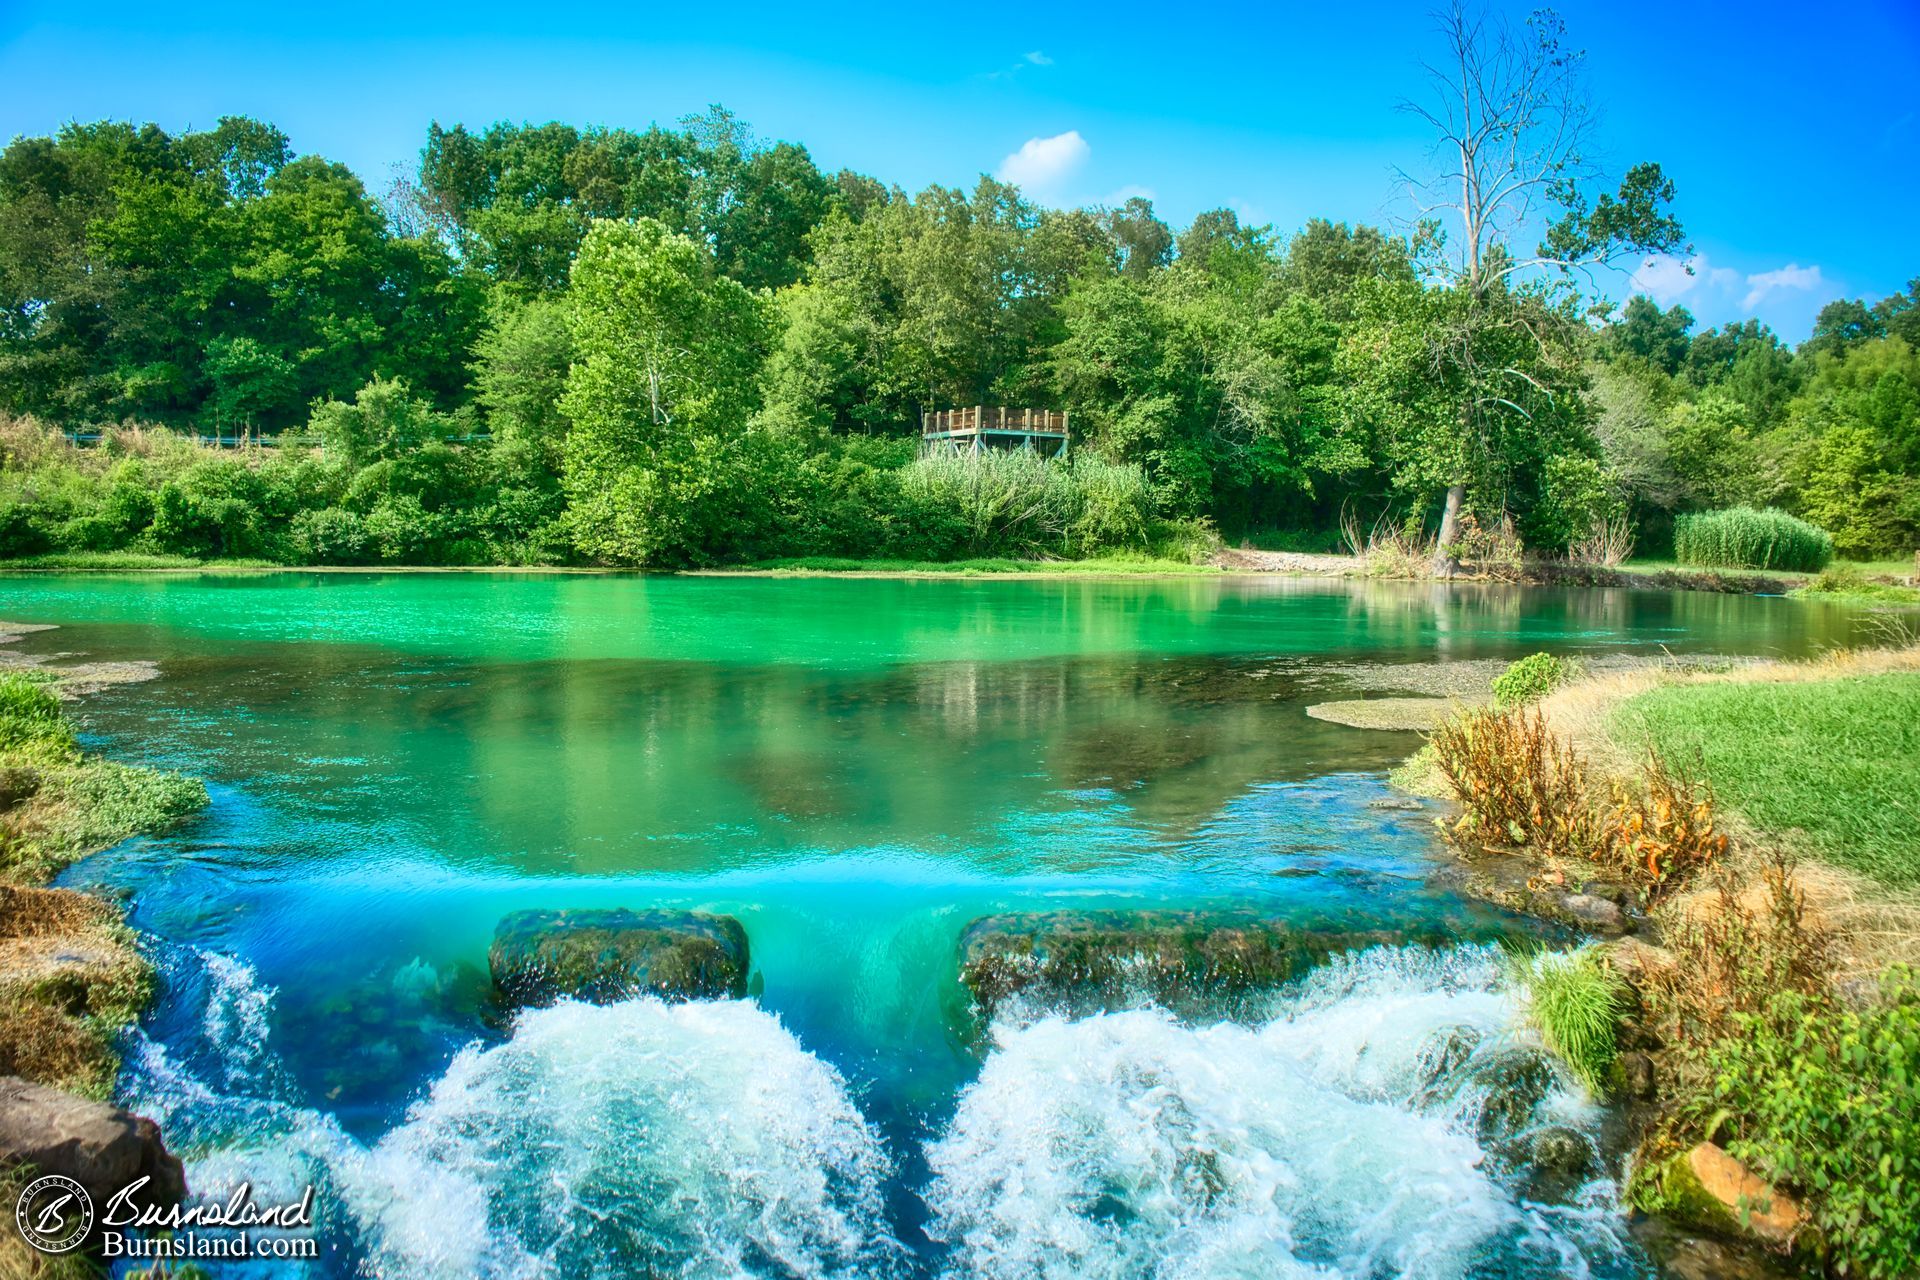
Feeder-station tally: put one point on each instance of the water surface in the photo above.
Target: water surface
(856, 769)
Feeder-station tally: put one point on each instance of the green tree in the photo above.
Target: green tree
(664, 383)
(520, 373)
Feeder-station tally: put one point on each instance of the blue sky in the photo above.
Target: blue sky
(1791, 132)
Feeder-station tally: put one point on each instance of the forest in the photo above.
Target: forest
(687, 346)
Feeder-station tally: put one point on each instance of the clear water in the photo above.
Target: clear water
(856, 769)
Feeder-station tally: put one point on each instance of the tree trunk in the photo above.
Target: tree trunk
(1445, 565)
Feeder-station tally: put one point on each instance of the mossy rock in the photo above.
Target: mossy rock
(605, 955)
(1169, 957)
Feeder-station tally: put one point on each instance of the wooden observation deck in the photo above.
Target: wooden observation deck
(1043, 431)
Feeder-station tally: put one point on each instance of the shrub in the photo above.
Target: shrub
(31, 718)
(1743, 538)
(1520, 785)
(1576, 1002)
(329, 536)
(1815, 1094)
(1530, 679)
(1665, 832)
(1825, 1098)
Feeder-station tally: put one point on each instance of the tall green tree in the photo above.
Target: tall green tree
(663, 385)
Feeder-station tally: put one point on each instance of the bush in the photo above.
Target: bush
(1576, 1002)
(1021, 505)
(1814, 1093)
(329, 536)
(1743, 538)
(1519, 785)
(31, 718)
(1530, 679)
(1825, 1098)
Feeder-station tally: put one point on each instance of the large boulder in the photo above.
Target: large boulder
(1169, 957)
(601, 955)
(1706, 1189)
(99, 1146)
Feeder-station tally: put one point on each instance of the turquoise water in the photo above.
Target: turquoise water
(856, 769)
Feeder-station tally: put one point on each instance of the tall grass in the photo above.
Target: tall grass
(1743, 538)
(1021, 505)
(1576, 1002)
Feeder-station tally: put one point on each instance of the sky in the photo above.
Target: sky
(1790, 132)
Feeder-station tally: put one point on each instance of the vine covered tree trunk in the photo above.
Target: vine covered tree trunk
(1445, 564)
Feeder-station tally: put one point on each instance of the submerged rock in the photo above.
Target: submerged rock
(1553, 1161)
(99, 1146)
(605, 955)
(1168, 957)
(1511, 1084)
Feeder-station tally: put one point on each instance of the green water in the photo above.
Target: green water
(855, 768)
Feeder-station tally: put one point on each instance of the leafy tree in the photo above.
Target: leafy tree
(382, 423)
(1842, 325)
(1144, 242)
(1645, 332)
(664, 383)
(520, 373)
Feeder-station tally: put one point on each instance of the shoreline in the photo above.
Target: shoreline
(1665, 942)
(1708, 581)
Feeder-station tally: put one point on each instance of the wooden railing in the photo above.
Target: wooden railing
(997, 418)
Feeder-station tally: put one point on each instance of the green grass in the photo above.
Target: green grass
(1847, 583)
(971, 568)
(1833, 763)
(126, 560)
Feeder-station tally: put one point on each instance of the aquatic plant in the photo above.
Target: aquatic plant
(30, 717)
(1743, 538)
(1576, 1002)
(1530, 679)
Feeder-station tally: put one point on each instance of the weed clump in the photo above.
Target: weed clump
(31, 719)
(1530, 679)
(1520, 786)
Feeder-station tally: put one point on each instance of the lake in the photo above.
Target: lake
(856, 769)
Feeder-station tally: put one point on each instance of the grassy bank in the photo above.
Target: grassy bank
(1758, 826)
(1831, 767)
(70, 976)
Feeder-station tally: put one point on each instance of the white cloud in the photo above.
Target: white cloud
(1667, 279)
(1792, 276)
(1042, 164)
(1039, 59)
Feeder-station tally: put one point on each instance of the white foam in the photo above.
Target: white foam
(695, 1139)
(1129, 1144)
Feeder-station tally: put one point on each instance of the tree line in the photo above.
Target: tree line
(687, 345)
